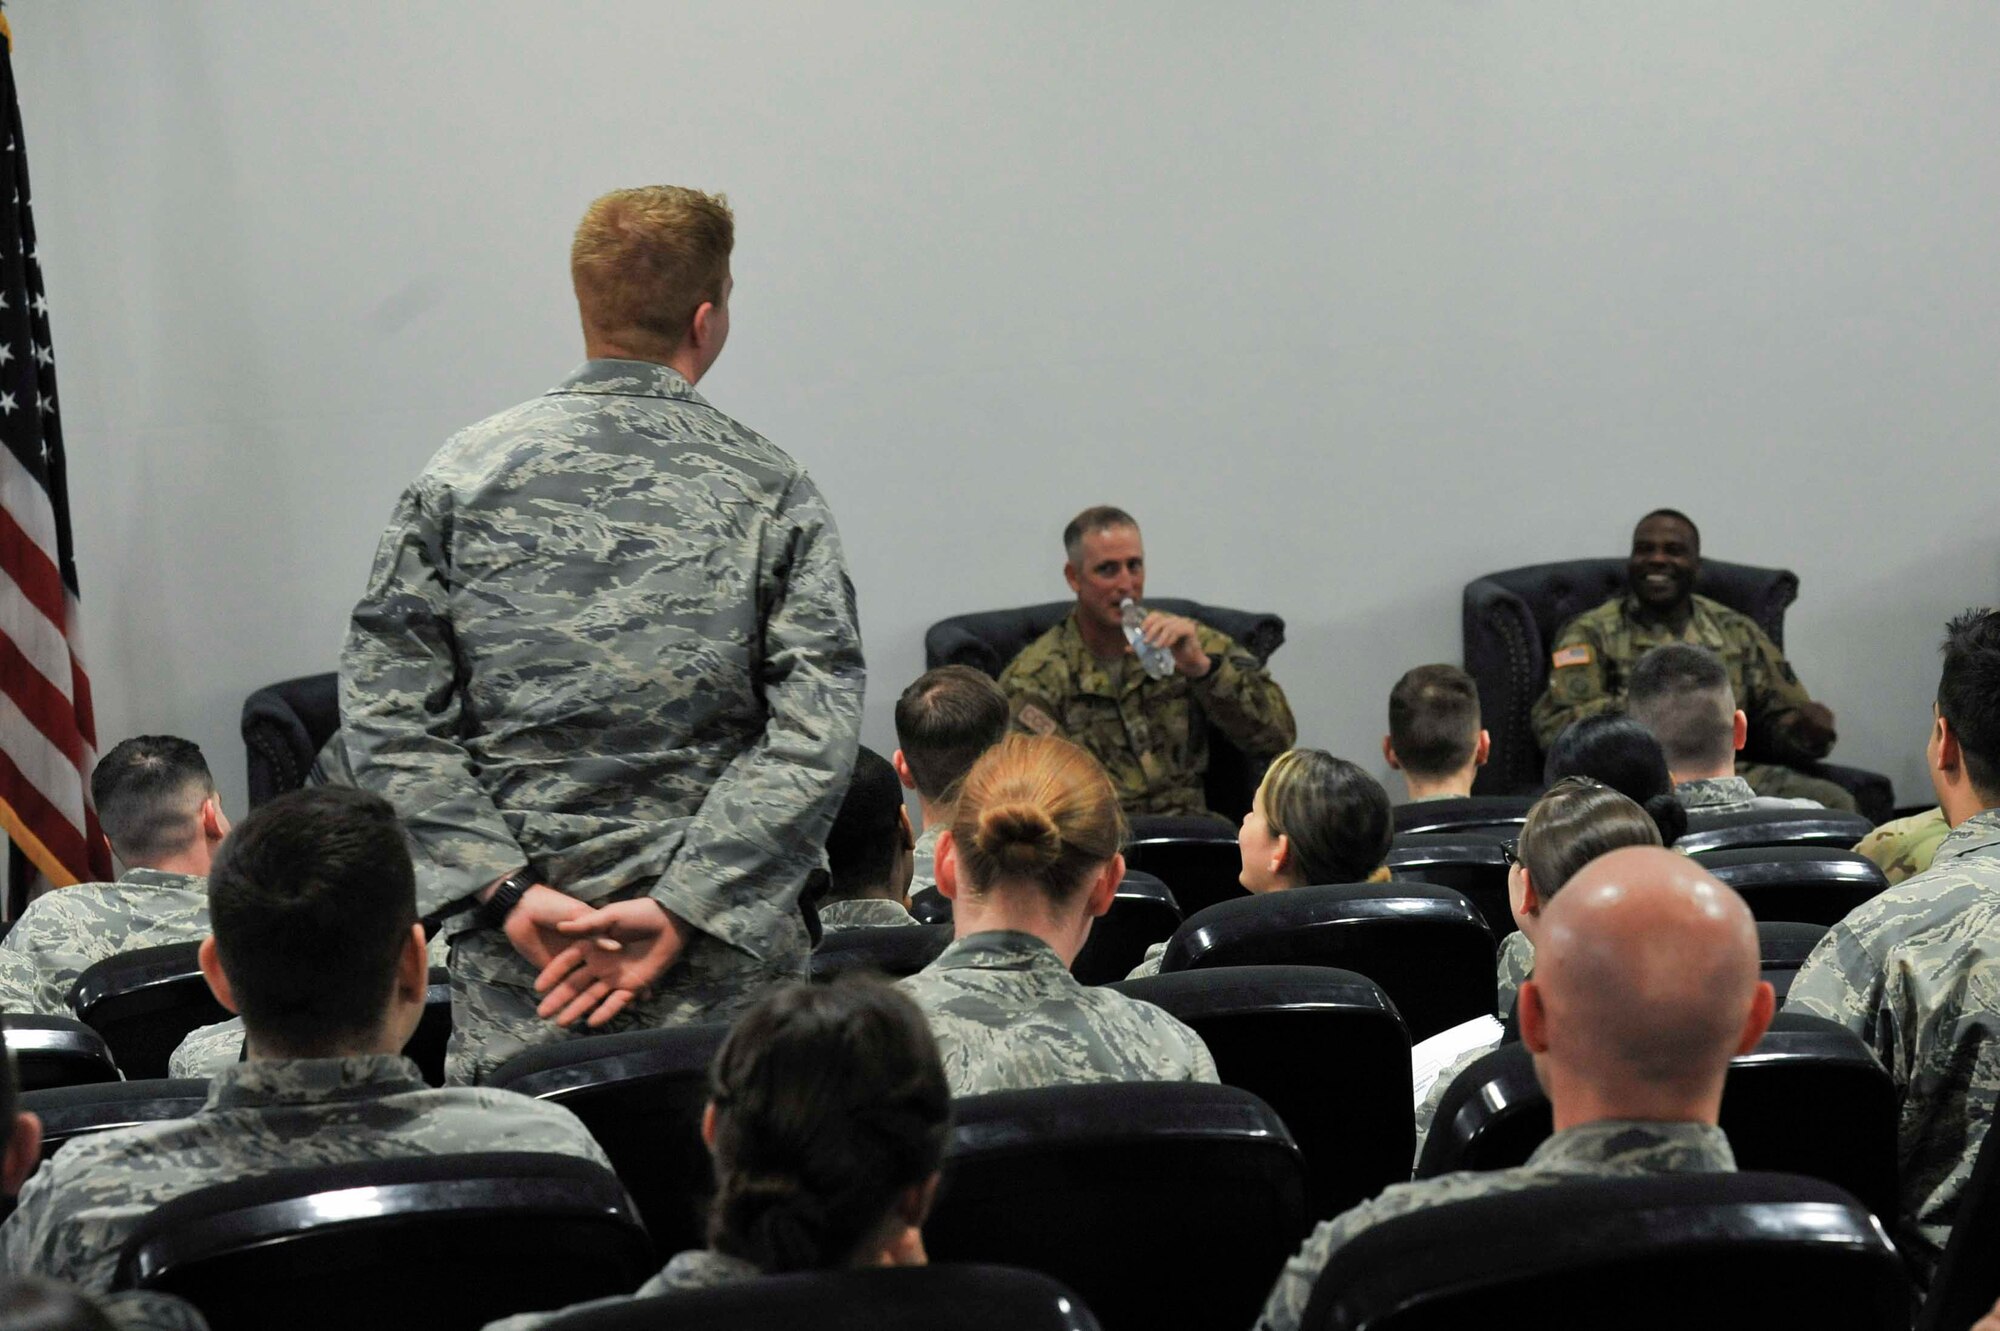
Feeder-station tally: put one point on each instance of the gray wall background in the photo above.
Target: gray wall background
(1348, 302)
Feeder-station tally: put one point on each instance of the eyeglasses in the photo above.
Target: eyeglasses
(1512, 851)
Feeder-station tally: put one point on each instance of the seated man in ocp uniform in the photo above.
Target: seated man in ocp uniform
(1081, 680)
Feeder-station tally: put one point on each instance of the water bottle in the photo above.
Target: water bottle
(1154, 659)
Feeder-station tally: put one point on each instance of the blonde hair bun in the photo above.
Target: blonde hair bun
(1020, 837)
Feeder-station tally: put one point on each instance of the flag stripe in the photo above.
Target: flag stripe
(45, 705)
(42, 833)
(41, 765)
(31, 568)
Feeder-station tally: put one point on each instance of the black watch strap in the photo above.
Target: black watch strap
(493, 912)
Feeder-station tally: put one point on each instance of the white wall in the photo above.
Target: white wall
(1349, 303)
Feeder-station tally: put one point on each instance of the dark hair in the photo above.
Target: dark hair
(311, 899)
(1575, 822)
(1036, 809)
(1618, 752)
(147, 790)
(1677, 516)
(1681, 692)
(1434, 720)
(1968, 695)
(830, 1100)
(1335, 815)
(866, 839)
(1098, 517)
(35, 1303)
(944, 721)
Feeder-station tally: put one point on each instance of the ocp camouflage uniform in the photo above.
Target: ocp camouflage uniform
(1151, 735)
(1592, 659)
(1915, 972)
(1609, 1148)
(697, 1268)
(83, 1203)
(1905, 847)
(1009, 1016)
(863, 913)
(63, 933)
(609, 636)
(1730, 794)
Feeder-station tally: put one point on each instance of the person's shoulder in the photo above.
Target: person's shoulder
(1044, 662)
(1929, 912)
(1599, 619)
(1731, 621)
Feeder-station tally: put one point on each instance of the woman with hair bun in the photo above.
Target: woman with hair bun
(827, 1121)
(1030, 859)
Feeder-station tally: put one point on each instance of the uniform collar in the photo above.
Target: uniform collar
(1977, 835)
(865, 912)
(629, 378)
(1708, 791)
(1614, 1141)
(703, 1268)
(1000, 950)
(266, 1082)
(162, 878)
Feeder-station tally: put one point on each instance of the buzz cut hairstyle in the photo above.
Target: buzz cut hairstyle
(1681, 692)
(1434, 720)
(862, 846)
(944, 721)
(1968, 695)
(147, 790)
(1677, 516)
(1098, 517)
(644, 260)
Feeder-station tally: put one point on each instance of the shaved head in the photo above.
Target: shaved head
(1646, 984)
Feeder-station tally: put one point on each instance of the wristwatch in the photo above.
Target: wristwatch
(493, 912)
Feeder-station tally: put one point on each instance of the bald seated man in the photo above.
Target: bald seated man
(1646, 985)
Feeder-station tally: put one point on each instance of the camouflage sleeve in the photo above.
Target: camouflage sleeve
(1578, 684)
(28, 1243)
(1240, 699)
(1285, 1309)
(1774, 701)
(401, 708)
(149, 1310)
(1036, 685)
(1844, 981)
(207, 1050)
(18, 990)
(40, 958)
(1905, 846)
(764, 820)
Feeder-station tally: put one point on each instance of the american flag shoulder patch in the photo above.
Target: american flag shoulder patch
(1571, 656)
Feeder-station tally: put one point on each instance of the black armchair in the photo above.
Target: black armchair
(1512, 616)
(1801, 884)
(69, 1112)
(1500, 815)
(1782, 947)
(989, 639)
(1472, 863)
(1143, 913)
(890, 950)
(284, 727)
(1830, 829)
(56, 1051)
(144, 1002)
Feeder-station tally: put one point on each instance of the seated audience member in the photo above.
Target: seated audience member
(869, 851)
(1915, 973)
(1645, 988)
(1314, 819)
(1904, 847)
(1434, 738)
(1081, 680)
(944, 720)
(28, 1303)
(1618, 752)
(827, 1122)
(1030, 859)
(1574, 823)
(164, 820)
(1680, 692)
(313, 903)
(1593, 655)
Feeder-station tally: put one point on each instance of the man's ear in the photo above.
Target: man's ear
(214, 823)
(1483, 750)
(1762, 1004)
(701, 328)
(1070, 576)
(944, 867)
(1949, 756)
(413, 968)
(916, 1202)
(1105, 889)
(1389, 755)
(210, 958)
(902, 766)
(1739, 730)
(23, 1151)
(708, 1125)
(1533, 1017)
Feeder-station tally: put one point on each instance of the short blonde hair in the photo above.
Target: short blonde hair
(644, 260)
(1036, 809)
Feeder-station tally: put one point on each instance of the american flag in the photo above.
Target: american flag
(48, 737)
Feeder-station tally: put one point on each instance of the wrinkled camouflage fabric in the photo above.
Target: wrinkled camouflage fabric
(1150, 734)
(1515, 963)
(207, 1050)
(63, 933)
(864, 913)
(1613, 638)
(1610, 1148)
(1427, 1108)
(694, 1269)
(144, 1310)
(82, 1204)
(1730, 794)
(1905, 847)
(926, 859)
(1916, 974)
(1008, 1016)
(609, 635)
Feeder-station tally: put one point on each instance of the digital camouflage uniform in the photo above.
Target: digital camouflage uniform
(144, 1310)
(1009, 1016)
(1609, 1148)
(1905, 847)
(695, 1269)
(926, 859)
(864, 913)
(1515, 963)
(609, 636)
(1731, 794)
(1592, 658)
(1915, 972)
(83, 1203)
(63, 933)
(1150, 734)
(207, 1050)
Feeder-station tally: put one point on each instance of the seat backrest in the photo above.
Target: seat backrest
(144, 1002)
(56, 1051)
(1667, 1250)
(1501, 815)
(1799, 884)
(1782, 947)
(1833, 829)
(1967, 1280)
(1424, 945)
(963, 1296)
(1322, 1047)
(435, 1241)
(889, 949)
(1469, 862)
(1809, 1099)
(1510, 617)
(640, 1093)
(930, 906)
(1112, 1188)
(1200, 870)
(284, 727)
(1143, 913)
(68, 1112)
